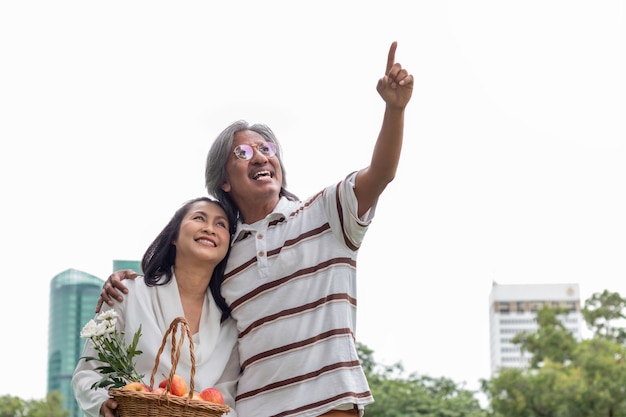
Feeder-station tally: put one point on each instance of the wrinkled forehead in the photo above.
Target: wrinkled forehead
(248, 137)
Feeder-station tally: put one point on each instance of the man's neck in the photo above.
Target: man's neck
(253, 212)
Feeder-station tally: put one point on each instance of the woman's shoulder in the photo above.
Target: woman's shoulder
(138, 286)
(139, 281)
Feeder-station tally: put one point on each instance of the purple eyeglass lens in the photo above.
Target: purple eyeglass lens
(245, 152)
(267, 149)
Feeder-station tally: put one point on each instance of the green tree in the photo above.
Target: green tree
(12, 406)
(51, 406)
(602, 312)
(602, 372)
(586, 378)
(397, 395)
(551, 341)
(545, 392)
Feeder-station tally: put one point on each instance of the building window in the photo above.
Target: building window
(535, 305)
(571, 306)
(504, 307)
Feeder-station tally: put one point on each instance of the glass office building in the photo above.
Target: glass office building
(119, 264)
(73, 298)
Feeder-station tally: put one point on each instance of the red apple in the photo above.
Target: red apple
(212, 395)
(158, 390)
(178, 386)
(136, 386)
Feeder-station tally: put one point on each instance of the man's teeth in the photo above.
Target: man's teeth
(261, 174)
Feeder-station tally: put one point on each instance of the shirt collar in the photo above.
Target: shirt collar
(281, 211)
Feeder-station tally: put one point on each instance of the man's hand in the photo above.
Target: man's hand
(112, 287)
(109, 408)
(396, 86)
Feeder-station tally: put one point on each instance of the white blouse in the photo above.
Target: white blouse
(154, 308)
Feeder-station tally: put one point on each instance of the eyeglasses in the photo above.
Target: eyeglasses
(245, 152)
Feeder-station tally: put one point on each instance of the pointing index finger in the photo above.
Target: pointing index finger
(391, 57)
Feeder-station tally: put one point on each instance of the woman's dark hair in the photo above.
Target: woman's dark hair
(158, 260)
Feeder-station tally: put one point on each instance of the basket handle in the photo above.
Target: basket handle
(175, 354)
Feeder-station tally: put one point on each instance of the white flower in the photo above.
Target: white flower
(110, 326)
(89, 330)
(107, 315)
(118, 365)
(101, 329)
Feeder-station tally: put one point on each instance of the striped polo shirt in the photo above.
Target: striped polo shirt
(291, 285)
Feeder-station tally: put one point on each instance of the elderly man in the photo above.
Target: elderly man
(290, 280)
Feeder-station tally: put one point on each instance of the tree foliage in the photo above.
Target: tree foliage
(602, 312)
(397, 395)
(551, 341)
(566, 378)
(51, 406)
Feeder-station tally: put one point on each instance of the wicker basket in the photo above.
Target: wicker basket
(150, 404)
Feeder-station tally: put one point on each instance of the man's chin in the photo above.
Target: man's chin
(260, 194)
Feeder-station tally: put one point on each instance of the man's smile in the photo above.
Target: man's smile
(261, 174)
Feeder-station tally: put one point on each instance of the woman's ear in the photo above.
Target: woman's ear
(226, 187)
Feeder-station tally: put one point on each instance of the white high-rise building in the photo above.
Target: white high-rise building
(513, 308)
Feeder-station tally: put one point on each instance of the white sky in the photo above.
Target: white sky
(513, 167)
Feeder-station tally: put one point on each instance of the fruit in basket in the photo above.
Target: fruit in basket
(136, 386)
(212, 395)
(178, 385)
(158, 390)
